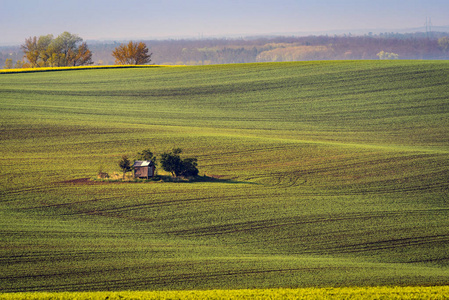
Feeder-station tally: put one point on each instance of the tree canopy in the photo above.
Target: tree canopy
(132, 54)
(65, 50)
(146, 155)
(125, 165)
(173, 163)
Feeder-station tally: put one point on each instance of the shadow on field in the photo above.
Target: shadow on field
(205, 178)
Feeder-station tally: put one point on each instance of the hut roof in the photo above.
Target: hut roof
(142, 163)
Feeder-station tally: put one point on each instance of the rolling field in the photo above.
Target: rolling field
(313, 174)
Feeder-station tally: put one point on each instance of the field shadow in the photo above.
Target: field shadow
(206, 178)
(196, 179)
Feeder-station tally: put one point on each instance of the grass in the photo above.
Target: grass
(316, 174)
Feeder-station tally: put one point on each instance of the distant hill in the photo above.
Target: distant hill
(366, 31)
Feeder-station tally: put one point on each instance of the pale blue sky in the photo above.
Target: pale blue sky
(134, 19)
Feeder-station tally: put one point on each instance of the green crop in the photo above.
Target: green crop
(314, 174)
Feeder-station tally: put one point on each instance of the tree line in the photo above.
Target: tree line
(69, 50)
(434, 45)
(277, 49)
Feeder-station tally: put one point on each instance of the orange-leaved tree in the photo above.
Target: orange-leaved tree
(81, 56)
(132, 54)
(31, 51)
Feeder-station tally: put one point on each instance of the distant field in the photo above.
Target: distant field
(313, 174)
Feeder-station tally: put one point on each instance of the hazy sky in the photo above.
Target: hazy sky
(133, 19)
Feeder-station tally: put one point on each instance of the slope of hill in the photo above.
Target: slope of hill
(312, 174)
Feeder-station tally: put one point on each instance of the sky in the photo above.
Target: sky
(158, 19)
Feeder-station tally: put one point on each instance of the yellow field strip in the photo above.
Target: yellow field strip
(29, 70)
(434, 292)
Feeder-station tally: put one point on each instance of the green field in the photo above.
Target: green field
(313, 174)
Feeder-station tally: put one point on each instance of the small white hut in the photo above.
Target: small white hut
(143, 169)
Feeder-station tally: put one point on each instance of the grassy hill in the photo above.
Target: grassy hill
(314, 174)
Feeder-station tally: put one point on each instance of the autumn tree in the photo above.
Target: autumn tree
(8, 63)
(132, 54)
(31, 51)
(81, 56)
(19, 64)
(65, 50)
